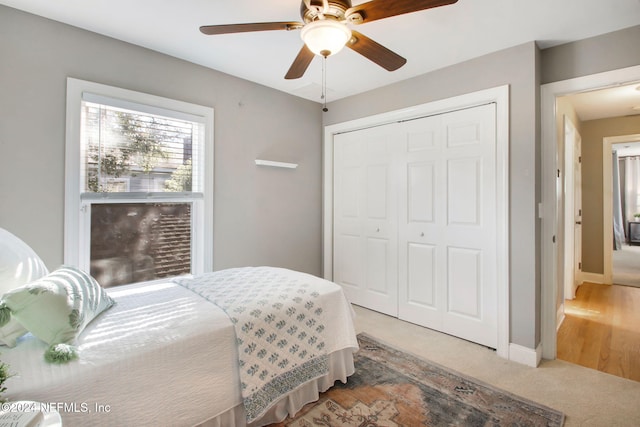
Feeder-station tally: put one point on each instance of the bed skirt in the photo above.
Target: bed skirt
(340, 367)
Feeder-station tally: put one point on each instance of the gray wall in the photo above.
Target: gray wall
(619, 49)
(262, 216)
(517, 67)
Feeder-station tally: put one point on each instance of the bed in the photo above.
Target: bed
(166, 354)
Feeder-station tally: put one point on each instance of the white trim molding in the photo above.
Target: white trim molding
(593, 278)
(499, 96)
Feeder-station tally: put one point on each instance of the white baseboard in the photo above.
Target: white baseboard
(525, 355)
(593, 278)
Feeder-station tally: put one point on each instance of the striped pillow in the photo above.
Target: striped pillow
(57, 307)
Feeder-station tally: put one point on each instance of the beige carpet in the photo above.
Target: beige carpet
(587, 397)
(626, 266)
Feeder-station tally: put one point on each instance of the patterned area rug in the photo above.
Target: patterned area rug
(392, 388)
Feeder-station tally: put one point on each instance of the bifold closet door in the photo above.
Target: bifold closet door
(415, 221)
(365, 218)
(447, 224)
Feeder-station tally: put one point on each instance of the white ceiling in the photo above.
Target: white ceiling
(623, 100)
(429, 39)
(627, 149)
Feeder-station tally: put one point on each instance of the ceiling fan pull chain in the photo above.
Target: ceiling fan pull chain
(324, 84)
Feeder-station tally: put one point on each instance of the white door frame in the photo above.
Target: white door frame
(549, 209)
(607, 198)
(498, 95)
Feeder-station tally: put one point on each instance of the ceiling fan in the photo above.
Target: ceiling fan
(325, 29)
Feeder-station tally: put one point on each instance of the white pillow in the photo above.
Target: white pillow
(10, 333)
(19, 265)
(56, 308)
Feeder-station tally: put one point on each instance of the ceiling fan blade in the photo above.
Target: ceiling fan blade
(300, 64)
(246, 28)
(375, 52)
(379, 9)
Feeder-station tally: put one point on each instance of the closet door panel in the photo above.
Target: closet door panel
(377, 184)
(349, 182)
(420, 214)
(377, 267)
(349, 258)
(421, 289)
(470, 288)
(421, 192)
(349, 255)
(365, 218)
(447, 204)
(465, 279)
(463, 191)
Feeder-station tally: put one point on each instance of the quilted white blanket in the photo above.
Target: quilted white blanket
(279, 322)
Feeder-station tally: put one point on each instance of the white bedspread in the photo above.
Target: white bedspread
(161, 356)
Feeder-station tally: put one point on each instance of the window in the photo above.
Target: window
(139, 184)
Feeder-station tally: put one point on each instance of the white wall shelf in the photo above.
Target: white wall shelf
(276, 164)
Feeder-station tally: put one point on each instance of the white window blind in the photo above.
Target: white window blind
(138, 152)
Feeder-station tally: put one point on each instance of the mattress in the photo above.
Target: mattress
(162, 355)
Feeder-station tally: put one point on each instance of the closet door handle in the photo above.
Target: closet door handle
(578, 222)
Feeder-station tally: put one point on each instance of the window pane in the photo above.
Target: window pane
(128, 151)
(134, 242)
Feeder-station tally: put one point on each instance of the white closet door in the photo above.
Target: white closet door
(365, 218)
(447, 240)
(421, 234)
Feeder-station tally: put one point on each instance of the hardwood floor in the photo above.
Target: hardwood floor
(601, 330)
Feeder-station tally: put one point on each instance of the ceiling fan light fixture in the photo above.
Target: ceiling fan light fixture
(325, 37)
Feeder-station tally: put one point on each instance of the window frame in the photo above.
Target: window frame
(77, 214)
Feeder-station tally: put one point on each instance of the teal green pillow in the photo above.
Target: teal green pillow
(56, 308)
